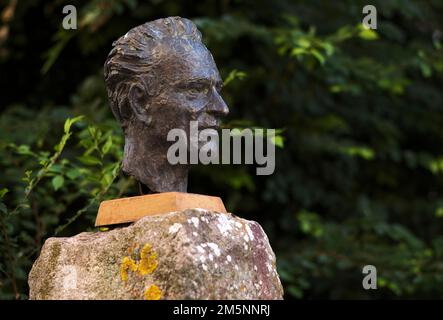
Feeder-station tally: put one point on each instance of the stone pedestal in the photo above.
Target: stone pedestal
(190, 254)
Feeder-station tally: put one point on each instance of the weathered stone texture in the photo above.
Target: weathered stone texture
(192, 254)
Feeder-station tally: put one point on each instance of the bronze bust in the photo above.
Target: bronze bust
(160, 76)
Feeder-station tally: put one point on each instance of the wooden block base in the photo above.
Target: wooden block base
(126, 210)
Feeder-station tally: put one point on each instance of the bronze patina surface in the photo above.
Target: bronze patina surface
(160, 76)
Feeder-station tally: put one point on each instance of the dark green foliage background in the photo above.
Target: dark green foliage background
(358, 181)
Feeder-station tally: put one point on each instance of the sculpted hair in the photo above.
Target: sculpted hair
(133, 57)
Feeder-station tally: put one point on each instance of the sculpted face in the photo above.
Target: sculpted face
(190, 90)
(160, 77)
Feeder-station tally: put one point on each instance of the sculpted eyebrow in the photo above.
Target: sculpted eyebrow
(200, 82)
(194, 82)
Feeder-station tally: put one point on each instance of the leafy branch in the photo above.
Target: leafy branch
(47, 164)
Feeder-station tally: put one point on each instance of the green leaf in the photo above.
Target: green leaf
(56, 168)
(336, 88)
(436, 165)
(3, 192)
(24, 150)
(425, 70)
(106, 179)
(439, 212)
(107, 145)
(73, 173)
(70, 121)
(278, 141)
(234, 74)
(329, 48)
(27, 176)
(368, 34)
(318, 55)
(298, 51)
(89, 160)
(57, 182)
(304, 43)
(363, 152)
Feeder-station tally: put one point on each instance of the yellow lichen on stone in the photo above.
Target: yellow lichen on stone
(146, 265)
(127, 263)
(148, 260)
(153, 293)
(146, 250)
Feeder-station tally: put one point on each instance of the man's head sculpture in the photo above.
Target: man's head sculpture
(160, 76)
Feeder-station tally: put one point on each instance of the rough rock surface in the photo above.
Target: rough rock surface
(192, 254)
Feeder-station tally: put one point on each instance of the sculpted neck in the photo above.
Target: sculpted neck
(145, 158)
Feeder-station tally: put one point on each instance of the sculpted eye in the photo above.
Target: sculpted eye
(193, 91)
(196, 90)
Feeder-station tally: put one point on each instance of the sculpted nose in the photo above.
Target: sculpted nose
(218, 106)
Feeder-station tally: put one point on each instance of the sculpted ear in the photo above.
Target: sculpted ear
(138, 100)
